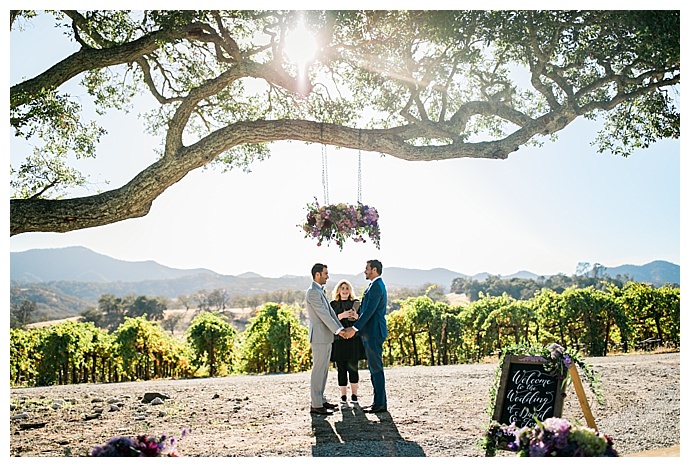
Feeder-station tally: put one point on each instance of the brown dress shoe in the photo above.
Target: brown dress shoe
(321, 411)
(328, 405)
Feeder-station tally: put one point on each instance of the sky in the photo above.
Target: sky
(544, 209)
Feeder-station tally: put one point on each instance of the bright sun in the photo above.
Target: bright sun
(300, 45)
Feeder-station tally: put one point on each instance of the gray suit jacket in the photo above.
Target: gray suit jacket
(323, 322)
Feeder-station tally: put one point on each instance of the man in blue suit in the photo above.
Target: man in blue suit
(371, 326)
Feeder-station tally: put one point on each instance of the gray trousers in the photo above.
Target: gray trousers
(321, 359)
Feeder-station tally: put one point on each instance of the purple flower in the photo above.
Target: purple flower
(567, 361)
(139, 446)
(556, 424)
(116, 447)
(538, 449)
(558, 429)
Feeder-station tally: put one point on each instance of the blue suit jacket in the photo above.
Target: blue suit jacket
(372, 313)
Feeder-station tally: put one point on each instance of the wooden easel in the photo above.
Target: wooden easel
(580, 391)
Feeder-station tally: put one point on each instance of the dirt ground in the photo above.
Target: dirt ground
(433, 412)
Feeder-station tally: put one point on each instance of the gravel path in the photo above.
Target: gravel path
(433, 412)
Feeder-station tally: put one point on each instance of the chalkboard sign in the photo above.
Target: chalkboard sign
(527, 391)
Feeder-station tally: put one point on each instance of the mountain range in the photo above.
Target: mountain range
(77, 277)
(79, 264)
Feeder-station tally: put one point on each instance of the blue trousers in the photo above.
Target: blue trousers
(373, 347)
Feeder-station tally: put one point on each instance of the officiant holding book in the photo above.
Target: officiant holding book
(346, 353)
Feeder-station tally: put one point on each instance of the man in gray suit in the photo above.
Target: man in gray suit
(323, 326)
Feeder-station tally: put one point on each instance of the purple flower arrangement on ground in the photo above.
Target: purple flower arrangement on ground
(138, 446)
(338, 222)
(554, 437)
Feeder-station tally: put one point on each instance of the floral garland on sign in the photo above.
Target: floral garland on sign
(558, 363)
(338, 222)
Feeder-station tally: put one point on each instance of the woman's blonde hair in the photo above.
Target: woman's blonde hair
(336, 290)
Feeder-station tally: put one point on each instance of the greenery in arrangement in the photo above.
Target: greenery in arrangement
(554, 437)
(338, 222)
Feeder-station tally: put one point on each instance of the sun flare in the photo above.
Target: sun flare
(300, 45)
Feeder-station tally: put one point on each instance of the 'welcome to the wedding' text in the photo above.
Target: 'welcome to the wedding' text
(530, 394)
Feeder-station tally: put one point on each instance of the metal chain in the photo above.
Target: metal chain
(324, 171)
(324, 174)
(359, 170)
(359, 167)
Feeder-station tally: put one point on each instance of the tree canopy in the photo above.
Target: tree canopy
(416, 85)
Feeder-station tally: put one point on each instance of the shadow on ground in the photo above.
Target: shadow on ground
(352, 433)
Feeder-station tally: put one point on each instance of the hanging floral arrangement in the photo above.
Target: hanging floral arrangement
(338, 222)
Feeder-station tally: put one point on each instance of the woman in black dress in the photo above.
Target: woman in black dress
(347, 352)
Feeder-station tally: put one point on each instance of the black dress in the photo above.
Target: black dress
(346, 349)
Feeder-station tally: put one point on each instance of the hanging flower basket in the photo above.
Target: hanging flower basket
(338, 222)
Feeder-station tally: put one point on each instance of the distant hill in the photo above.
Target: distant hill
(80, 264)
(65, 281)
(656, 272)
(51, 302)
(482, 276)
(416, 277)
